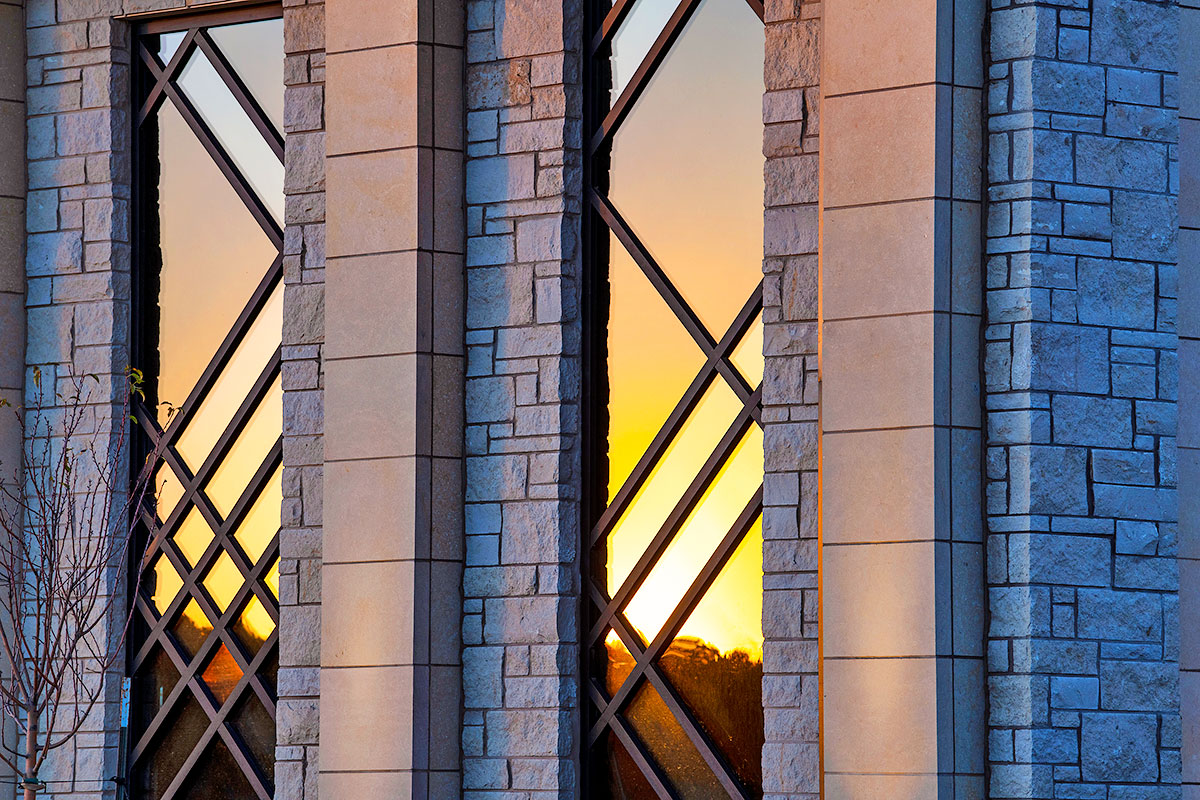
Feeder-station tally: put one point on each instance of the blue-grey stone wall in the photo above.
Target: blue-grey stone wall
(1081, 378)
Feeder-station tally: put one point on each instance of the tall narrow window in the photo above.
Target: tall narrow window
(675, 196)
(208, 320)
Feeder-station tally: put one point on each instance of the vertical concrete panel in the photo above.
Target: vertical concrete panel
(901, 545)
(393, 397)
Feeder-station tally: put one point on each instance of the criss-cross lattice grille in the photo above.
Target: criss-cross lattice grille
(675, 243)
(208, 326)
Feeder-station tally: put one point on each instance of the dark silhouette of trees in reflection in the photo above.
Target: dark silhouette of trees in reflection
(724, 693)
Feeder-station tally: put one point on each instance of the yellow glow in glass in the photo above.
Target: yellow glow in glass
(223, 581)
(193, 536)
(248, 452)
(261, 522)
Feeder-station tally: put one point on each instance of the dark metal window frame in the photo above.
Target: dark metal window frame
(600, 612)
(154, 84)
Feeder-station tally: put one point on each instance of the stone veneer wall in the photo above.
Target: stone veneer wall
(1189, 400)
(791, 759)
(1081, 377)
(520, 585)
(77, 258)
(12, 241)
(298, 708)
(78, 293)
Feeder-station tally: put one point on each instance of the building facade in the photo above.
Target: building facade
(698, 399)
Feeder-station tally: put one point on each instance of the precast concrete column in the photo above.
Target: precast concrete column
(900, 287)
(392, 549)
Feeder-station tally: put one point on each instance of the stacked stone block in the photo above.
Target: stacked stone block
(12, 242)
(521, 580)
(77, 263)
(1081, 380)
(298, 714)
(791, 392)
(1189, 363)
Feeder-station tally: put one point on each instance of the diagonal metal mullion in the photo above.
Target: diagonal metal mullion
(192, 667)
(241, 419)
(608, 26)
(644, 762)
(223, 537)
(666, 634)
(193, 585)
(155, 97)
(217, 725)
(641, 78)
(678, 417)
(221, 158)
(241, 93)
(722, 771)
(672, 297)
(237, 334)
(674, 521)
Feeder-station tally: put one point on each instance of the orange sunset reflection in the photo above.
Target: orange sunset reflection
(687, 174)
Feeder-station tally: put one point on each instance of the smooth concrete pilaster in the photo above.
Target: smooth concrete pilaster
(392, 550)
(901, 528)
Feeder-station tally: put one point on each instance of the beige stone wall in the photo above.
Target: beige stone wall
(297, 718)
(901, 525)
(791, 393)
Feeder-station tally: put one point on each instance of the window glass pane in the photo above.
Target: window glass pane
(222, 674)
(250, 358)
(651, 362)
(658, 496)
(625, 779)
(214, 255)
(248, 452)
(168, 43)
(696, 541)
(666, 740)
(687, 163)
(261, 522)
(233, 128)
(636, 35)
(253, 50)
(715, 662)
(193, 536)
(179, 736)
(216, 776)
(747, 356)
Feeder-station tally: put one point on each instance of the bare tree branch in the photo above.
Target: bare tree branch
(67, 523)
